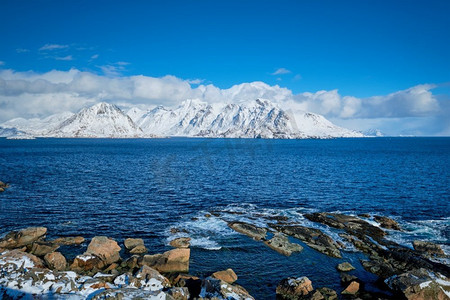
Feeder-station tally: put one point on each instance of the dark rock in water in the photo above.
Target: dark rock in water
(428, 248)
(105, 248)
(281, 244)
(227, 275)
(386, 222)
(347, 278)
(182, 242)
(69, 240)
(345, 267)
(293, 288)
(313, 237)
(250, 230)
(131, 243)
(3, 186)
(327, 293)
(43, 248)
(55, 261)
(420, 284)
(351, 289)
(24, 237)
(364, 215)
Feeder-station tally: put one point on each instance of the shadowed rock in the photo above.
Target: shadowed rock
(281, 244)
(250, 230)
(293, 288)
(428, 248)
(386, 222)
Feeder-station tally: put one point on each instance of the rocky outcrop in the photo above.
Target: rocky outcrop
(345, 267)
(87, 262)
(182, 242)
(55, 261)
(313, 237)
(227, 275)
(176, 260)
(21, 259)
(386, 222)
(293, 288)
(135, 246)
(428, 248)
(43, 248)
(24, 237)
(351, 289)
(250, 230)
(280, 243)
(217, 289)
(104, 248)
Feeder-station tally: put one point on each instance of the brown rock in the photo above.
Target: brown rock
(345, 267)
(227, 275)
(250, 230)
(18, 239)
(16, 255)
(183, 280)
(179, 293)
(352, 289)
(182, 242)
(327, 293)
(131, 262)
(43, 248)
(70, 240)
(55, 261)
(105, 248)
(428, 248)
(111, 267)
(176, 260)
(386, 222)
(139, 249)
(87, 262)
(131, 243)
(281, 244)
(145, 272)
(294, 288)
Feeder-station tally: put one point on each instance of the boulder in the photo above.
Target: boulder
(87, 262)
(43, 248)
(386, 222)
(131, 262)
(281, 244)
(313, 237)
(428, 248)
(347, 278)
(179, 293)
(55, 261)
(327, 293)
(146, 273)
(227, 275)
(139, 249)
(345, 267)
(176, 260)
(351, 289)
(217, 289)
(21, 259)
(182, 242)
(293, 288)
(3, 186)
(250, 230)
(24, 237)
(131, 243)
(69, 240)
(105, 248)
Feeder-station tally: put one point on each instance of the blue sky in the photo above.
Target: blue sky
(360, 48)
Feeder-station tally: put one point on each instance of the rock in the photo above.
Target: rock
(207, 215)
(313, 237)
(21, 259)
(131, 262)
(293, 288)
(146, 273)
(111, 267)
(176, 260)
(351, 289)
(3, 186)
(428, 248)
(105, 248)
(179, 293)
(227, 275)
(250, 230)
(87, 262)
(43, 248)
(216, 289)
(131, 243)
(139, 250)
(347, 278)
(70, 240)
(281, 244)
(55, 261)
(192, 283)
(364, 215)
(327, 293)
(24, 237)
(419, 284)
(315, 295)
(345, 267)
(386, 222)
(182, 242)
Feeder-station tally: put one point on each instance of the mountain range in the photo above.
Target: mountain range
(192, 118)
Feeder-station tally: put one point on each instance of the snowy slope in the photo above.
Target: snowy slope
(100, 120)
(38, 127)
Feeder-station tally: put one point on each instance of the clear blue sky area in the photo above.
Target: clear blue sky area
(362, 48)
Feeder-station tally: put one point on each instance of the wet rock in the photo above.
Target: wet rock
(313, 237)
(351, 289)
(3, 186)
(345, 267)
(179, 293)
(347, 278)
(131, 243)
(87, 262)
(428, 248)
(176, 260)
(43, 248)
(420, 284)
(281, 244)
(250, 230)
(69, 240)
(24, 237)
(21, 259)
(182, 242)
(227, 275)
(105, 248)
(379, 267)
(386, 222)
(55, 261)
(216, 289)
(293, 288)
(327, 293)
(364, 215)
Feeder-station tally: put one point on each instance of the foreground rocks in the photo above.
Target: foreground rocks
(24, 237)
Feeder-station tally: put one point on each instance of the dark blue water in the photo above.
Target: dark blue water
(142, 188)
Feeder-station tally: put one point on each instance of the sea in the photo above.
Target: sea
(160, 189)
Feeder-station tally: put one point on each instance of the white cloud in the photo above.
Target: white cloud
(115, 69)
(66, 58)
(281, 71)
(22, 50)
(53, 47)
(27, 94)
(2, 63)
(95, 56)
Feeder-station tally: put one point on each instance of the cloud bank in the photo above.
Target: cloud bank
(28, 94)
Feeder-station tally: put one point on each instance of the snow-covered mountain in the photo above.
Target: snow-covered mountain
(193, 118)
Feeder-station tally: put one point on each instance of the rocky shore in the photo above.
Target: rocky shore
(31, 264)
